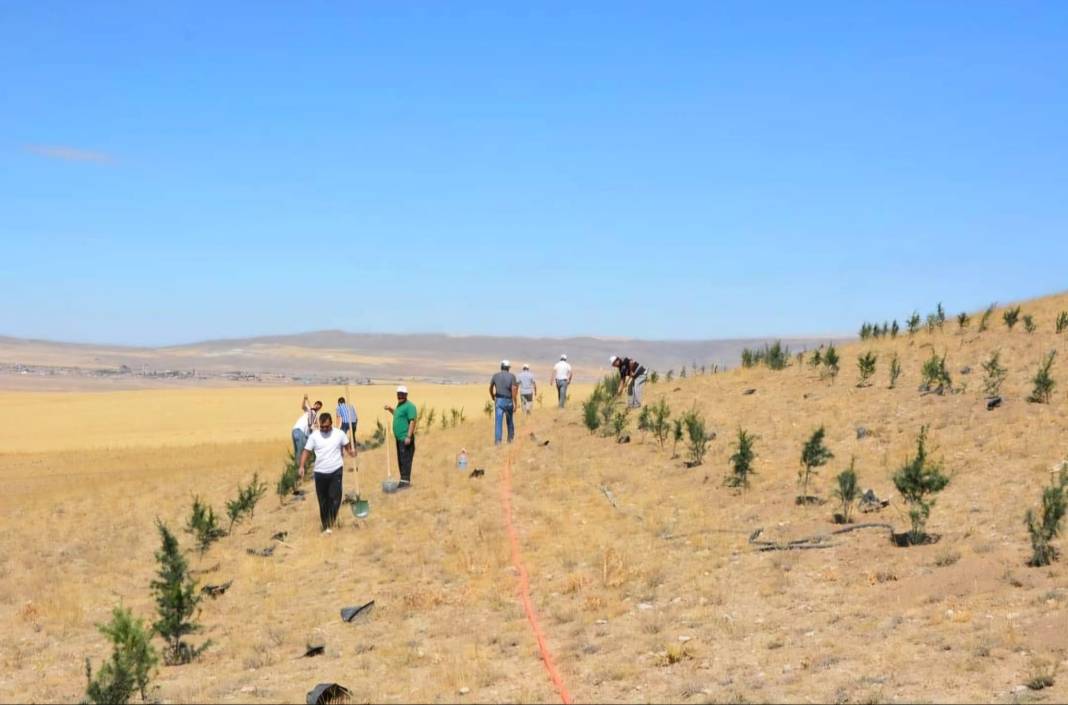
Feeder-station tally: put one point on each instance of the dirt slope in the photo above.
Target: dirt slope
(665, 574)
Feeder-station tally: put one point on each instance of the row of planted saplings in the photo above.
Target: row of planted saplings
(918, 480)
(937, 320)
(134, 657)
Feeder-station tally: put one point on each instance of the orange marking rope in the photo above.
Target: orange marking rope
(524, 584)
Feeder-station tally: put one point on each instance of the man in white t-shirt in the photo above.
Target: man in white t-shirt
(328, 446)
(304, 425)
(562, 377)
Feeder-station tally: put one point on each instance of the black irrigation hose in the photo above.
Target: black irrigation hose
(817, 541)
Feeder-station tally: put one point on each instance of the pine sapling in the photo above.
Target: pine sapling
(619, 422)
(1043, 381)
(913, 323)
(1010, 316)
(289, 480)
(847, 490)
(661, 425)
(984, 322)
(133, 661)
(670, 375)
(645, 420)
(677, 434)
(866, 367)
(1029, 324)
(742, 461)
(591, 413)
(994, 374)
(940, 316)
(934, 374)
(813, 455)
(699, 437)
(894, 329)
(1062, 322)
(895, 370)
(203, 524)
(176, 601)
(1046, 527)
(918, 480)
(830, 361)
(962, 321)
(817, 357)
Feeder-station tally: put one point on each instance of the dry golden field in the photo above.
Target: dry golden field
(658, 597)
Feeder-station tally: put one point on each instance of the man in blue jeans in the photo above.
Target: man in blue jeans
(503, 389)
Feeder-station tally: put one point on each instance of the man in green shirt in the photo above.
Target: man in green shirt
(404, 433)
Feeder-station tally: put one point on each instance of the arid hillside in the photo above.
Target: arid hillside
(647, 578)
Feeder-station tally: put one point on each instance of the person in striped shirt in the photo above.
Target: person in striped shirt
(346, 415)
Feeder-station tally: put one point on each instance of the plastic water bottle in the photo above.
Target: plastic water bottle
(461, 459)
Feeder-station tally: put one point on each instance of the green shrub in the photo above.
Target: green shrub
(866, 367)
(487, 408)
(654, 377)
(847, 490)
(865, 331)
(913, 323)
(176, 601)
(698, 435)
(932, 321)
(591, 413)
(994, 374)
(830, 361)
(245, 502)
(984, 321)
(1029, 323)
(894, 329)
(290, 478)
(934, 374)
(742, 461)
(813, 455)
(777, 355)
(1062, 322)
(133, 661)
(817, 357)
(962, 321)
(940, 316)
(203, 525)
(682, 372)
(670, 375)
(1043, 381)
(378, 438)
(895, 370)
(918, 480)
(1043, 529)
(619, 422)
(1010, 316)
(677, 434)
(661, 426)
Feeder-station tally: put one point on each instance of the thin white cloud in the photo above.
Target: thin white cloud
(69, 154)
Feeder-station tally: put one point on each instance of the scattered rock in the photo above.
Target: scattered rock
(263, 552)
(464, 691)
(477, 472)
(870, 503)
(644, 606)
(965, 370)
(684, 639)
(314, 650)
(862, 433)
(350, 613)
(749, 392)
(993, 403)
(216, 590)
(625, 438)
(279, 536)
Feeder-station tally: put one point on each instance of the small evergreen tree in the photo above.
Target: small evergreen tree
(934, 374)
(133, 661)
(894, 329)
(817, 357)
(677, 434)
(1043, 381)
(994, 374)
(777, 355)
(742, 461)
(932, 322)
(670, 375)
(245, 502)
(913, 323)
(176, 600)
(830, 361)
(289, 480)
(813, 455)
(1010, 316)
(619, 422)
(645, 420)
(661, 426)
(1043, 529)
(918, 480)
(682, 372)
(203, 525)
(895, 370)
(847, 490)
(984, 322)
(962, 321)
(591, 413)
(940, 316)
(1029, 323)
(866, 367)
(487, 408)
(654, 377)
(865, 331)
(699, 437)
(1062, 322)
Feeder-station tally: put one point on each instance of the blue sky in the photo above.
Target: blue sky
(180, 171)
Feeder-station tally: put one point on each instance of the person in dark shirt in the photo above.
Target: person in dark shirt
(503, 389)
(632, 377)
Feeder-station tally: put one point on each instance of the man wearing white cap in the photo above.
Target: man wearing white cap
(528, 388)
(503, 389)
(404, 433)
(562, 376)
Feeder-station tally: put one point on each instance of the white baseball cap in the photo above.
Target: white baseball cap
(563, 356)
(526, 366)
(505, 363)
(612, 359)
(402, 389)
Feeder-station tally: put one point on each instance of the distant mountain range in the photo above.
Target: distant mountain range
(333, 353)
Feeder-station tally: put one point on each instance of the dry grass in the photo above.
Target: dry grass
(658, 599)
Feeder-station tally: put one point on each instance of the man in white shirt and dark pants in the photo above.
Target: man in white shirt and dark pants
(328, 446)
(562, 376)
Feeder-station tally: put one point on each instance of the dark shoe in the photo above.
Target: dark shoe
(404, 486)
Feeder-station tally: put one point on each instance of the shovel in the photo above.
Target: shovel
(389, 485)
